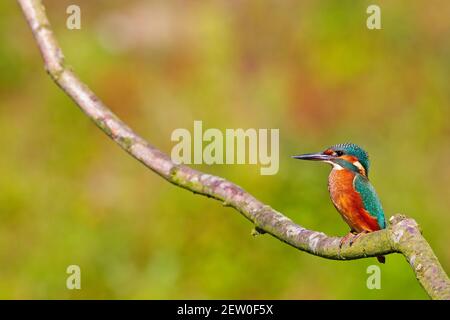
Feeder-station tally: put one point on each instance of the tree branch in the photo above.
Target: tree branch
(402, 236)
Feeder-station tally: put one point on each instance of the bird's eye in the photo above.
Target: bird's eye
(339, 153)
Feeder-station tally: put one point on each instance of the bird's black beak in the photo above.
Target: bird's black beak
(314, 157)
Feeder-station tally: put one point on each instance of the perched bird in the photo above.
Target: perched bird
(350, 189)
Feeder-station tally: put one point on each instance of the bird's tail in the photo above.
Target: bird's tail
(381, 259)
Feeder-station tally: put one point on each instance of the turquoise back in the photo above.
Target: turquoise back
(370, 199)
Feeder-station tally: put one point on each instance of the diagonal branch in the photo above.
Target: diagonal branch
(403, 236)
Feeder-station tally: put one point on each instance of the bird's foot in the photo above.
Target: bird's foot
(346, 238)
(352, 240)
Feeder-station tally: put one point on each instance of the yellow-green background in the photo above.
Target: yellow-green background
(68, 195)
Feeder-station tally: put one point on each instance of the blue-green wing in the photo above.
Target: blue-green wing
(370, 199)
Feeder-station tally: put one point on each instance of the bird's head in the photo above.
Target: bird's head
(342, 156)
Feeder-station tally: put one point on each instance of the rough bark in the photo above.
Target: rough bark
(402, 236)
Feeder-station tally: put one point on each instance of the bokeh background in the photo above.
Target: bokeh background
(69, 195)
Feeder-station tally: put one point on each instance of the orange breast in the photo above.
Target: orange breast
(349, 202)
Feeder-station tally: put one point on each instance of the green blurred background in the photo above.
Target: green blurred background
(69, 195)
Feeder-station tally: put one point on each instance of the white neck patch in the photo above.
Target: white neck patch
(335, 165)
(359, 166)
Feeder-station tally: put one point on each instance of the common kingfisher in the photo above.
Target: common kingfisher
(350, 190)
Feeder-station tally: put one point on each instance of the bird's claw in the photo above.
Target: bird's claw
(356, 237)
(345, 238)
(351, 238)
